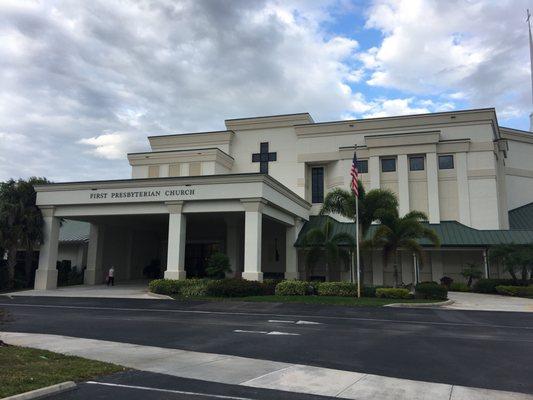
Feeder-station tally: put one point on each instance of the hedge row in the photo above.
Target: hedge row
(489, 285)
(234, 287)
(519, 291)
(431, 291)
(218, 288)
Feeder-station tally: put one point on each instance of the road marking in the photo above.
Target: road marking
(281, 321)
(152, 389)
(249, 314)
(308, 323)
(267, 333)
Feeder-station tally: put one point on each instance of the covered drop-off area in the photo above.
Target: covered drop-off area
(174, 224)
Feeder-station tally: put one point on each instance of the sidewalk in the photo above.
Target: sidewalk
(488, 302)
(255, 373)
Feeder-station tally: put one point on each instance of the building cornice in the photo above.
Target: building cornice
(181, 156)
(400, 124)
(177, 181)
(268, 122)
(176, 141)
(517, 135)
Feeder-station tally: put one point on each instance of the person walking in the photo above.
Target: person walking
(111, 277)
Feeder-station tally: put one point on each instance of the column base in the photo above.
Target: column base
(252, 276)
(89, 277)
(292, 275)
(45, 279)
(173, 274)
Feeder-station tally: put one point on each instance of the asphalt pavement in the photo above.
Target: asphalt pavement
(490, 350)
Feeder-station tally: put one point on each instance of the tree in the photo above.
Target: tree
(471, 272)
(514, 258)
(322, 241)
(372, 206)
(21, 222)
(217, 265)
(402, 233)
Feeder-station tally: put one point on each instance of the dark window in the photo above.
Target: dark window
(388, 164)
(416, 163)
(317, 184)
(446, 162)
(362, 166)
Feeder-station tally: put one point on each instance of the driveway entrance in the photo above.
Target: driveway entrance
(126, 290)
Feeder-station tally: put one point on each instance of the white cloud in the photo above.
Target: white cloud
(475, 51)
(112, 146)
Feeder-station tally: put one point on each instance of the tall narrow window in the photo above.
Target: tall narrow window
(362, 166)
(317, 184)
(446, 162)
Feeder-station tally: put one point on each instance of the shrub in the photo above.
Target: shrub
(192, 287)
(294, 288)
(269, 286)
(234, 287)
(393, 293)
(520, 291)
(217, 266)
(431, 291)
(459, 287)
(489, 285)
(342, 289)
(162, 286)
(446, 281)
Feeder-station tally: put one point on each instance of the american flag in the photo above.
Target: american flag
(354, 172)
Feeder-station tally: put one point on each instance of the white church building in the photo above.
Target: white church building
(253, 189)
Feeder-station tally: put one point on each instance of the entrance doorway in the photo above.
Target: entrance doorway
(196, 256)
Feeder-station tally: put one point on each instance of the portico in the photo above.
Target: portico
(252, 217)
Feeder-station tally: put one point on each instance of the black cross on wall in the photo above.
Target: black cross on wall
(264, 157)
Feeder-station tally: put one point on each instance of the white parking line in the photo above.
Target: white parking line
(267, 333)
(152, 389)
(281, 321)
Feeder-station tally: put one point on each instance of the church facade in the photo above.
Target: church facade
(253, 189)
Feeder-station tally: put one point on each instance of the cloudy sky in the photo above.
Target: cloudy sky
(82, 83)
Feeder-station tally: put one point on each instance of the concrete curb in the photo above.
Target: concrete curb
(44, 392)
(159, 296)
(421, 305)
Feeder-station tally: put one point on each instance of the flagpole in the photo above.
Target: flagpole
(357, 244)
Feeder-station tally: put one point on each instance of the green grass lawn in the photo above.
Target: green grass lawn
(332, 300)
(23, 369)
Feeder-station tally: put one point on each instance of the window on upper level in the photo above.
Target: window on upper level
(446, 162)
(317, 184)
(388, 164)
(362, 166)
(416, 163)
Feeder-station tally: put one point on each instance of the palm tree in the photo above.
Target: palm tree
(372, 206)
(322, 241)
(22, 222)
(514, 256)
(396, 233)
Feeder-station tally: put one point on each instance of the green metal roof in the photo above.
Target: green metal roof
(521, 217)
(451, 233)
(74, 231)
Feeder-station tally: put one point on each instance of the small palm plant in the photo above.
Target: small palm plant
(471, 272)
(334, 247)
(396, 233)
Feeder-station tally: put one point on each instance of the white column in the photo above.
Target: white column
(377, 269)
(437, 270)
(291, 253)
(486, 272)
(46, 274)
(177, 224)
(232, 244)
(433, 188)
(253, 225)
(94, 273)
(403, 184)
(463, 191)
(374, 171)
